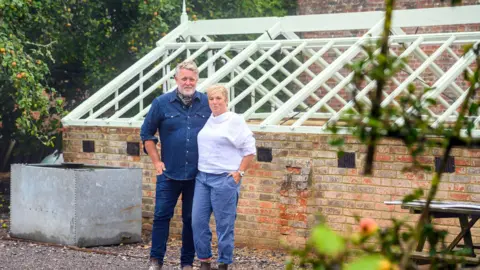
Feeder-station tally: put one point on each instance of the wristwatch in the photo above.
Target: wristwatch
(242, 173)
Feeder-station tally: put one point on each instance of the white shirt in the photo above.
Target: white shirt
(223, 142)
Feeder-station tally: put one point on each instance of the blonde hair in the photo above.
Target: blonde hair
(218, 88)
(188, 65)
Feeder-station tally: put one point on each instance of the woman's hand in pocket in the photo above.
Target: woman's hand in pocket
(236, 176)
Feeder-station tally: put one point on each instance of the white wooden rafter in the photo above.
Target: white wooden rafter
(242, 59)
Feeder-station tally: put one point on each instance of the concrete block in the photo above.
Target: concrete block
(82, 205)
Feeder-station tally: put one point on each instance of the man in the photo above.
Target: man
(178, 116)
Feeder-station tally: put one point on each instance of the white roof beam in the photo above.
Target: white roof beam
(338, 21)
(321, 62)
(287, 80)
(417, 72)
(433, 67)
(452, 108)
(241, 57)
(323, 101)
(259, 87)
(152, 88)
(124, 77)
(429, 39)
(445, 80)
(250, 79)
(265, 77)
(321, 78)
(295, 80)
(361, 94)
(313, 75)
(116, 83)
(136, 84)
(454, 55)
(272, 79)
(253, 65)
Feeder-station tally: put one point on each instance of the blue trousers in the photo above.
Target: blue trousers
(217, 193)
(166, 197)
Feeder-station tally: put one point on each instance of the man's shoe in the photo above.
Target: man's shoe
(187, 267)
(205, 266)
(154, 264)
(222, 266)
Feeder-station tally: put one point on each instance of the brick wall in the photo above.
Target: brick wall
(280, 199)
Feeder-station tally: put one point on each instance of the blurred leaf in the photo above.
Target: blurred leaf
(368, 262)
(337, 142)
(417, 194)
(326, 241)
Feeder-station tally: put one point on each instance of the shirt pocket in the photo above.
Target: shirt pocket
(199, 119)
(172, 121)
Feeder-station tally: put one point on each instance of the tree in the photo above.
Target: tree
(54, 54)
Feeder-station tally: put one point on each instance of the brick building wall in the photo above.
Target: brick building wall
(280, 199)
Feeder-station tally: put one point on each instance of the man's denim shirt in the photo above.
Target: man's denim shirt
(178, 126)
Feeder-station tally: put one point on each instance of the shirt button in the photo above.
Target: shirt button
(188, 140)
(188, 127)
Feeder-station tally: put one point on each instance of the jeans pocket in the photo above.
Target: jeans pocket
(232, 181)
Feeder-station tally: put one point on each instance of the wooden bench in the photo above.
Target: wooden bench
(467, 213)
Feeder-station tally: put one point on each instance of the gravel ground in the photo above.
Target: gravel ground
(21, 254)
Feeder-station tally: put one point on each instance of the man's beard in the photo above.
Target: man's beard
(186, 99)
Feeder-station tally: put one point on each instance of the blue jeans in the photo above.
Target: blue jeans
(166, 198)
(217, 193)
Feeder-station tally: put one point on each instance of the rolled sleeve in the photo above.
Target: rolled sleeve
(150, 124)
(249, 147)
(244, 140)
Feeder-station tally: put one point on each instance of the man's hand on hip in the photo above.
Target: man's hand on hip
(159, 167)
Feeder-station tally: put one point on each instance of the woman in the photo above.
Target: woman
(226, 147)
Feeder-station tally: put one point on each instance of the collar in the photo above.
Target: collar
(221, 118)
(173, 97)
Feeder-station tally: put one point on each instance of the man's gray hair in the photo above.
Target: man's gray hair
(188, 65)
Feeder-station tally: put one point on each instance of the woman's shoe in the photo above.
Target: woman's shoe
(205, 266)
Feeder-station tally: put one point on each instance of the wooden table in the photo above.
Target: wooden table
(467, 213)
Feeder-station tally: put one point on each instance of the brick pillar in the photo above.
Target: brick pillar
(294, 194)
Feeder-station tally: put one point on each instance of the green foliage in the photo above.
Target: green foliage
(54, 54)
(411, 123)
(327, 242)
